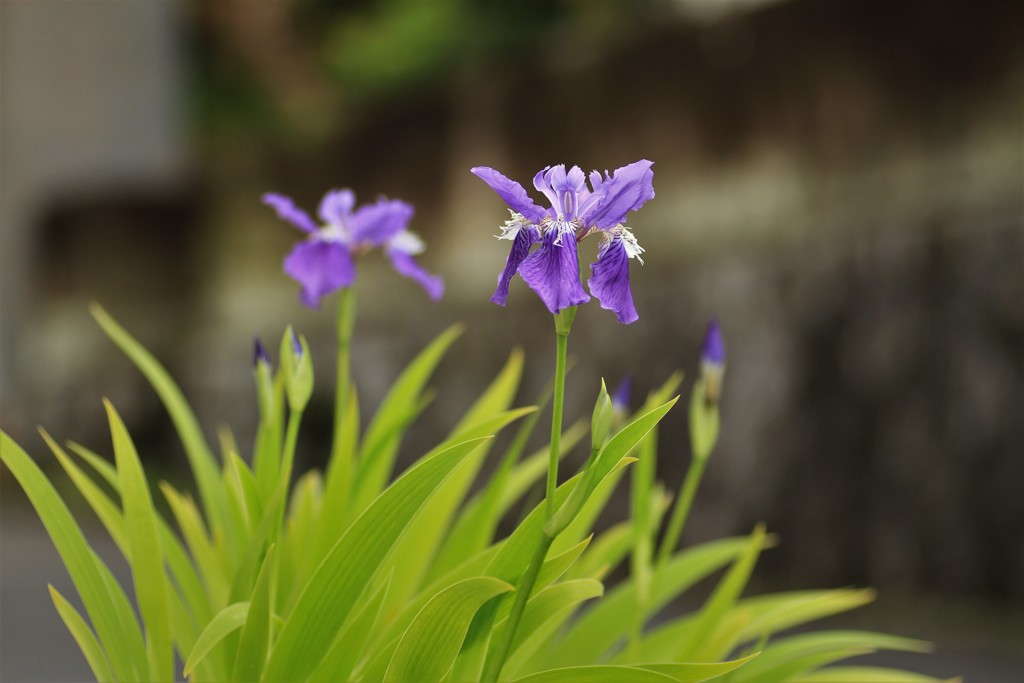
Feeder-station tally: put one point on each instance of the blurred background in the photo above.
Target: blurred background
(841, 182)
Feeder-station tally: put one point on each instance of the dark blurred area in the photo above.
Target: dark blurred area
(841, 182)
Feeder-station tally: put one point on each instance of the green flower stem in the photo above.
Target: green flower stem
(563, 324)
(495, 663)
(287, 461)
(346, 322)
(681, 510)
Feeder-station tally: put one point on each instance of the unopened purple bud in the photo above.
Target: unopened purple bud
(712, 362)
(713, 350)
(259, 352)
(296, 345)
(620, 401)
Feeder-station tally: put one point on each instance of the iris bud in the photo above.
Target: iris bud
(600, 423)
(297, 366)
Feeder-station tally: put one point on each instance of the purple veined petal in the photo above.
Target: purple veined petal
(542, 181)
(510, 191)
(610, 281)
(521, 243)
(553, 271)
(336, 207)
(287, 211)
(321, 267)
(377, 223)
(406, 265)
(629, 188)
(567, 186)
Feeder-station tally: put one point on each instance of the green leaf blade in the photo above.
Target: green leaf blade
(431, 643)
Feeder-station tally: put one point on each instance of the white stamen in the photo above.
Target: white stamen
(407, 242)
(633, 250)
(334, 232)
(512, 226)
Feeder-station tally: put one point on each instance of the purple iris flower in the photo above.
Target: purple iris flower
(325, 261)
(552, 270)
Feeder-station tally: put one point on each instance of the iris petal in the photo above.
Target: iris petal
(610, 281)
(287, 211)
(521, 243)
(376, 223)
(406, 265)
(336, 207)
(629, 188)
(510, 191)
(553, 271)
(321, 267)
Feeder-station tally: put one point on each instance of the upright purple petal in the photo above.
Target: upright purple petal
(321, 267)
(521, 243)
(610, 281)
(626, 190)
(336, 206)
(406, 265)
(287, 211)
(510, 191)
(377, 223)
(553, 271)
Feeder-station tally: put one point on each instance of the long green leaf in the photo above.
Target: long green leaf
(608, 621)
(84, 636)
(211, 567)
(544, 614)
(106, 605)
(800, 654)
(617, 448)
(432, 641)
(865, 674)
(223, 624)
(255, 639)
(192, 599)
(333, 589)
(597, 674)
(200, 457)
(146, 554)
(419, 543)
(350, 643)
(401, 404)
(769, 614)
(479, 518)
(702, 645)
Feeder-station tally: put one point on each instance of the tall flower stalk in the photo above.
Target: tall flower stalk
(552, 271)
(703, 434)
(345, 325)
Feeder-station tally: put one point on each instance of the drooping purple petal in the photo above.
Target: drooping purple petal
(336, 206)
(629, 188)
(610, 281)
(321, 267)
(553, 271)
(376, 223)
(521, 243)
(406, 265)
(510, 191)
(287, 211)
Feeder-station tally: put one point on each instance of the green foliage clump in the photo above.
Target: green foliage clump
(349, 576)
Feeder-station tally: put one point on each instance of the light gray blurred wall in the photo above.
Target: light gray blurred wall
(90, 100)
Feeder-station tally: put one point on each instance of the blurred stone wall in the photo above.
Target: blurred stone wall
(840, 182)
